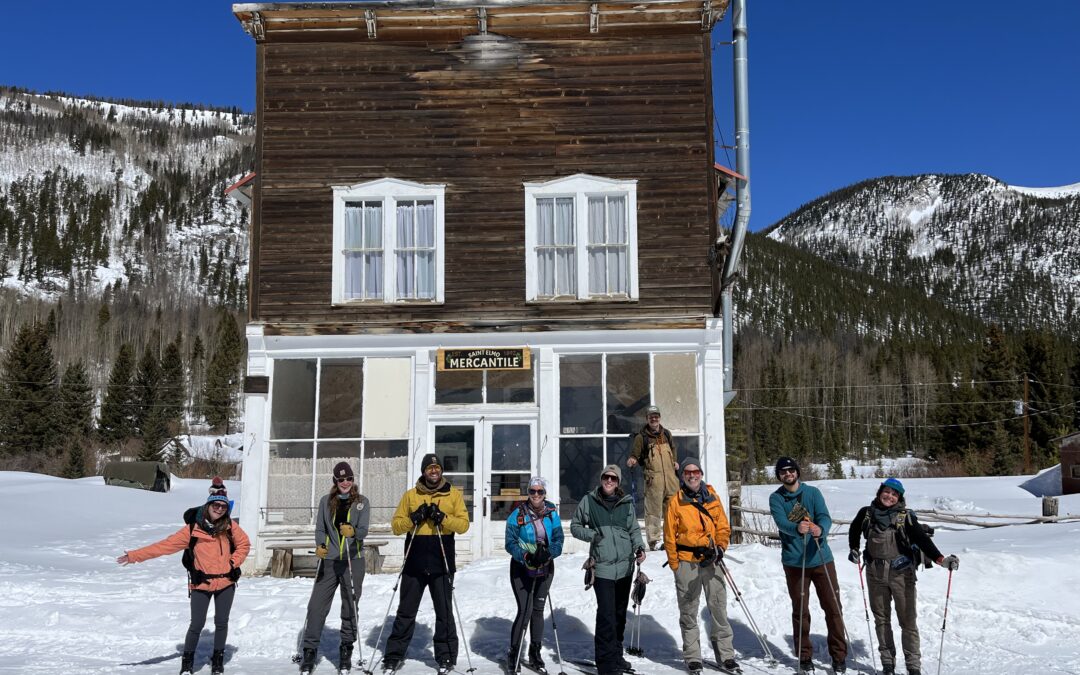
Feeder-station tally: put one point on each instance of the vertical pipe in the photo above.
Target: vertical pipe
(742, 185)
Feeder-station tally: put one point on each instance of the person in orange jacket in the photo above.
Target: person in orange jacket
(696, 534)
(218, 547)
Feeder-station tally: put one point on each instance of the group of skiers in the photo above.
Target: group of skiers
(694, 534)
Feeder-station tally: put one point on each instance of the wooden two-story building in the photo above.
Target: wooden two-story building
(481, 228)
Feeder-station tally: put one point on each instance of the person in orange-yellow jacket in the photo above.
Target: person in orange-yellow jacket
(218, 547)
(696, 534)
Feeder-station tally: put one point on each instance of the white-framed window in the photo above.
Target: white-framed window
(389, 242)
(581, 239)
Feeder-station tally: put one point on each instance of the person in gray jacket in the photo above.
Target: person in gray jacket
(607, 520)
(340, 528)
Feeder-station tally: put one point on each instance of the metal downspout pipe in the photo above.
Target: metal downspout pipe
(742, 188)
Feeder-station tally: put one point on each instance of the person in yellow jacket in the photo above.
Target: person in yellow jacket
(696, 534)
(431, 508)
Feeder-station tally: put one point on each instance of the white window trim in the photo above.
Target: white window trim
(580, 186)
(390, 191)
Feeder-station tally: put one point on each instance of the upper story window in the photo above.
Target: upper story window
(581, 239)
(388, 242)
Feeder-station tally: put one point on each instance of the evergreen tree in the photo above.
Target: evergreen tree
(117, 420)
(104, 315)
(28, 416)
(75, 467)
(76, 401)
(149, 411)
(998, 390)
(224, 372)
(172, 385)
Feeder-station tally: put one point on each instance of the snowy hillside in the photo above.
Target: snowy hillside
(68, 607)
(1002, 253)
(94, 192)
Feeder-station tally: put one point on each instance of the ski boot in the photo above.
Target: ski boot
(391, 665)
(730, 666)
(217, 662)
(345, 659)
(307, 664)
(806, 666)
(888, 670)
(840, 667)
(187, 663)
(445, 667)
(694, 667)
(536, 661)
(511, 661)
(626, 666)
(914, 671)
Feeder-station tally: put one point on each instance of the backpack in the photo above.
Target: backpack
(195, 575)
(902, 542)
(645, 450)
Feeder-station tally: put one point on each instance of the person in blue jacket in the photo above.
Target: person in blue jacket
(804, 522)
(534, 538)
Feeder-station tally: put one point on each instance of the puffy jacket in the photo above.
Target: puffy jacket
(425, 553)
(211, 552)
(521, 534)
(686, 525)
(781, 503)
(614, 555)
(326, 533)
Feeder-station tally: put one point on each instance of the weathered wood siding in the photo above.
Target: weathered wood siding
(343, 113)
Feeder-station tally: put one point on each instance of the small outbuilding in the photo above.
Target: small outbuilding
(152, 476)
(1070, 463)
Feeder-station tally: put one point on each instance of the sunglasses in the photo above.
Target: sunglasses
(343, 480)
(218, 505)
(608, 477)
(783, 471)
(691, 473)
(537, 492)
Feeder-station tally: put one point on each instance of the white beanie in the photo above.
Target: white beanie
(538, 480)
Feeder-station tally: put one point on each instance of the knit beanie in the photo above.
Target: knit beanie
(218, 493)
(612, 468)
(892, 484)
(688, 461)
(428, 460)
(342, 470)
(787, 463)
(538, 481)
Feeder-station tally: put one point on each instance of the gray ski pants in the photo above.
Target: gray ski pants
(690, 580)
(886, 586)
(334, 576)
(200, 603)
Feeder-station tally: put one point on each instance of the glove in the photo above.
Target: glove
(419, 515)
(347, 530)
(708, 557)
(719, 553)
(530, 559)
(320, 551)
(234, 573)
(541, 556)
(435, 514)
(854, 556)
(951, 562)
(639, 555)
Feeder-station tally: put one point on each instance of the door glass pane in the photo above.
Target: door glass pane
(456, 448)
(580, 394)
(388, 399)
(507, 491)
(676, 391)
(627, 392)
(687, 446)
(510, 386)
(511, 447)
(386, 477)
(340, 398)
(580, 462)
(293, 413)
(459, 386)
(288, 485)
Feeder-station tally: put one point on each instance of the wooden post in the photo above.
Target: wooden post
(1027, 430)
(735, 517)
(1050, 507)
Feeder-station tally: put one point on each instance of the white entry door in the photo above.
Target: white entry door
(490, 460)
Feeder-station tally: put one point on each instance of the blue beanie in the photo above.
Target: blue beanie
(893, 484)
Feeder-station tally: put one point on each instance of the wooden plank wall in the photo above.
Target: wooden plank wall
(344, 113)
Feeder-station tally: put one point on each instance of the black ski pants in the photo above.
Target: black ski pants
(523, 586)
(200, 603)
(412, 591)
(334, 576)
(612, 597)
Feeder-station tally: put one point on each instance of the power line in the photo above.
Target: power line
(879, 386)
(870, 425)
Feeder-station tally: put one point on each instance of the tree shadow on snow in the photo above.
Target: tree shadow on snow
(420, 647)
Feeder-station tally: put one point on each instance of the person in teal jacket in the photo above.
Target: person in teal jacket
(534, 538)
(804, 522)
(607, 520)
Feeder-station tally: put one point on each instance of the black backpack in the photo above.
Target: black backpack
(195, 575)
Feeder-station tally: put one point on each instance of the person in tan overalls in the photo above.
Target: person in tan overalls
(655, 450)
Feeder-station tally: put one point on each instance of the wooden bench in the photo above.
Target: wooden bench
(285, 550)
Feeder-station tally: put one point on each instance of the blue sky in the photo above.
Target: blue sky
(840, 90)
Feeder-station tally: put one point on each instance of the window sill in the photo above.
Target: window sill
(383, 303)
(573, 300)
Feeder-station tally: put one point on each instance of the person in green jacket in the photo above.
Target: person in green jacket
(605, 517)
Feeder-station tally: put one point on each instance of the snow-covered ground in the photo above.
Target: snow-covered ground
(66, 606)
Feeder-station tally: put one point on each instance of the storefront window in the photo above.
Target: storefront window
(676, 390)
(293, 413)
(386, 476)
(340, 397)
(510, 386)
(459, 386)
(288, 488)
(627, 386)
(388, 399)
(581, 394)
(485, 386)
(580, 462)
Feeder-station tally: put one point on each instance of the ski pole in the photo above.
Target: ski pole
(453, 598)
(741, 601)
(555, 631)
(375, 649)
(525, 624)
(296, 657)
(353, 602)
(944, 618)
(866, 609)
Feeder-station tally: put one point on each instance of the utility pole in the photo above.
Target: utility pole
(1027, 430)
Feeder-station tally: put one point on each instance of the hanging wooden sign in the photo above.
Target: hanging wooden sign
(484, 358)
